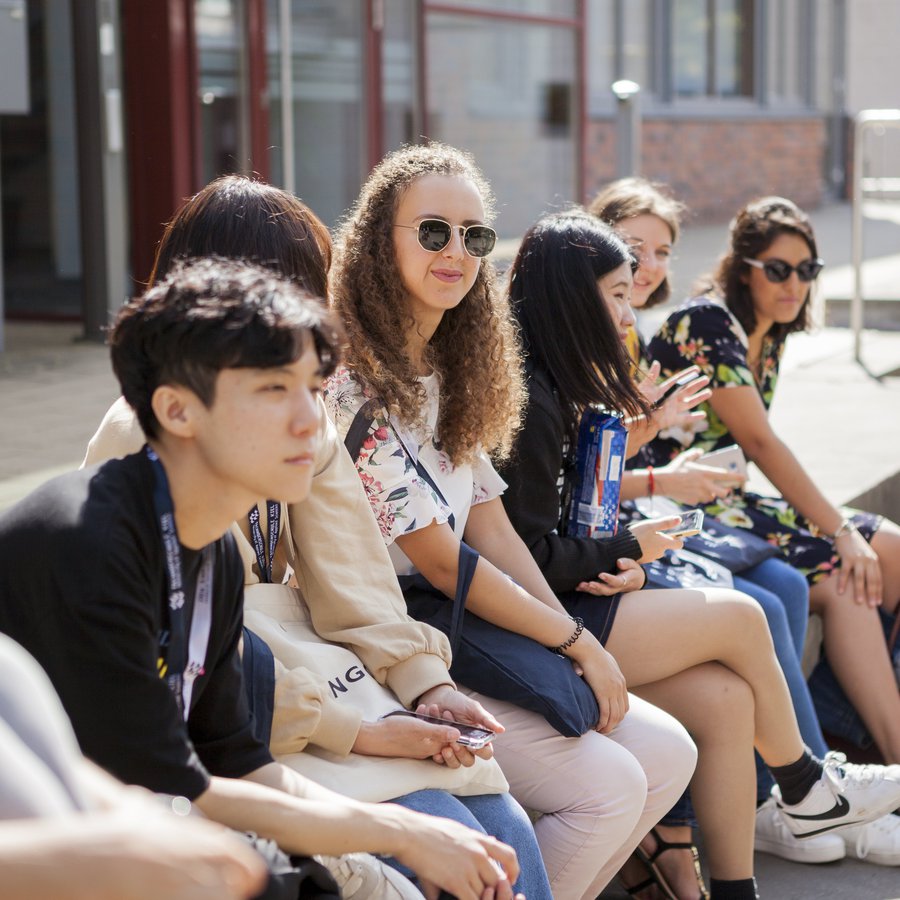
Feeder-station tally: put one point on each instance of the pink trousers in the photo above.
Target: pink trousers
(598, 795)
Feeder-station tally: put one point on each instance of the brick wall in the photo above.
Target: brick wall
(717, 166)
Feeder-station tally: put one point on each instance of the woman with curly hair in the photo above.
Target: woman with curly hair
(239, 217)
(432, 343)
(735, 330)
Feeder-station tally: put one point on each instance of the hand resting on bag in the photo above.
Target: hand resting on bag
(630, 577)
(602, 673)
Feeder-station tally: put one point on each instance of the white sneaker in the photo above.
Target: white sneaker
(773, 836)
(846, 794)
(361, 876)
(878, 842)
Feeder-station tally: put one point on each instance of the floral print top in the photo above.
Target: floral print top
(401, 498)
(704, 333)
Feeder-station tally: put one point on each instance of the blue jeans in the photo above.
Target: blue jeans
(495, 814)
(783, 594)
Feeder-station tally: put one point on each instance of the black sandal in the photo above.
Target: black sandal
(634, 890)
(656, 877)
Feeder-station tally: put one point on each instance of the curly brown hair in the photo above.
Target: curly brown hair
(475, 349)
(627, 198)
(752, 232)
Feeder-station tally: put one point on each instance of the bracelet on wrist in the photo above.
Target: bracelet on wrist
(846, 526)
(579, 627)
(651, 482)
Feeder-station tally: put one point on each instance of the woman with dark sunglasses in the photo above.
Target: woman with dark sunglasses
(735, 331)
(569, 288)
(431, 325)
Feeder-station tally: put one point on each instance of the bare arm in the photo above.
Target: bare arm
(120, 856)
(304, 818)
(434, 551)
(684, 479)
(129, 846)
(743, 413)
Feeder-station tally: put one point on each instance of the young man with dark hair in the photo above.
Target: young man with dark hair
(122, 581)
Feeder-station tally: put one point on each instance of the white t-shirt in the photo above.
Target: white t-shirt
(401, 499)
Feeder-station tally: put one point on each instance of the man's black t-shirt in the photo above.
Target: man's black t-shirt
(83, 588)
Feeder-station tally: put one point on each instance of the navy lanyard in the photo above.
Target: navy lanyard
(185, 658)
(265, 555)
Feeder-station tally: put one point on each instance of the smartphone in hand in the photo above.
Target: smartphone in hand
(471, 736)
(731, 458)
(690, 523)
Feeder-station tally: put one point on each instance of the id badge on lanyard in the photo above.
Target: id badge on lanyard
(265, 553)
(186, 658)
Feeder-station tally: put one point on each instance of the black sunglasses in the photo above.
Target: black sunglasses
(778, 271)
(435, 234)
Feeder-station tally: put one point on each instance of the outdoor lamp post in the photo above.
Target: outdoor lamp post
(628, 127)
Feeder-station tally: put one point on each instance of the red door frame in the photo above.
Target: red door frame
(163, 121)
(160, 59)
(160, 69)
(257, 88)
(373, 83)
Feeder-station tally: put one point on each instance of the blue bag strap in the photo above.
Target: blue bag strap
(468, 560)
(360, 426)
(358, 432)
(259, 684)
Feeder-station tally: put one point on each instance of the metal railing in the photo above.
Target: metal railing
(867, 122)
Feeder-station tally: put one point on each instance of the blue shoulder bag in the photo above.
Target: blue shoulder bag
(486, 658)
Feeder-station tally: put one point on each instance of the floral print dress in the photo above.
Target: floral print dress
(389, 466)
(704, 333)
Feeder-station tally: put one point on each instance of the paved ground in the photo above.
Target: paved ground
(53, 393)
(848, 879)
(842, 419)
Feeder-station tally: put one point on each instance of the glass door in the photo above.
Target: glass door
(222, 77)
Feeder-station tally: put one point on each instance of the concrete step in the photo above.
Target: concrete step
(881, 313)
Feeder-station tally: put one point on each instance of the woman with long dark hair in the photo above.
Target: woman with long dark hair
(431, 343)
(569, 288)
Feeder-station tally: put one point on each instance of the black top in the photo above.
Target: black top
(535, 473)
(83, 588)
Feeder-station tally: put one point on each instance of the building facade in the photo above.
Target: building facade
(135, 104)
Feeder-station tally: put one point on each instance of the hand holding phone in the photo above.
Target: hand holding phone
(690, 522)
(731, 459)
(653, 538)
(472, 737)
